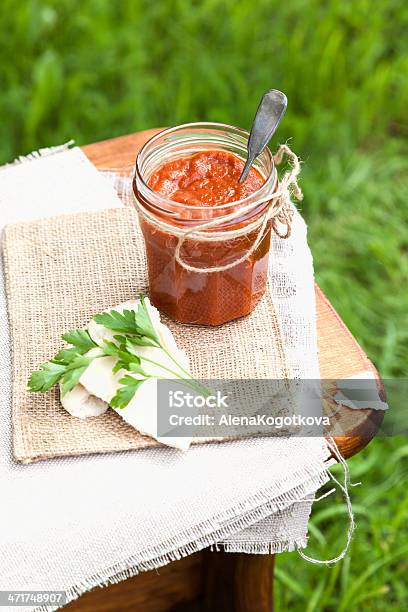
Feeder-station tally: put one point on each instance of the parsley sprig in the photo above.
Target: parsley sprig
(134, 329)
(67, 366)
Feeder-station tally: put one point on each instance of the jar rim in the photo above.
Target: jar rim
(270, 180)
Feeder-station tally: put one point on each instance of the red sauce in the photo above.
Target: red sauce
(206, 179)
(209, 178)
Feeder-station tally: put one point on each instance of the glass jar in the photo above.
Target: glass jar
(192, 296)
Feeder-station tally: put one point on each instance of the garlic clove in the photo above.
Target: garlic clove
(80, 403)
(99, 380)
(141, 413)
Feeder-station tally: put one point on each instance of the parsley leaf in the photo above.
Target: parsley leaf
(136, 323)
(73, 372)
(65, 356)
(125, 393)
(124, 323)
(51, 372)
(137, 369)
(144, 322)
(46, 377)
(80, 339)
(125, 358)
(143, 341)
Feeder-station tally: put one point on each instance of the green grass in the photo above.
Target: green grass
(373, 575)
(99, 68)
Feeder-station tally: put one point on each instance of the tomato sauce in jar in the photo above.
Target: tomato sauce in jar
(209, 178)
(184, 192)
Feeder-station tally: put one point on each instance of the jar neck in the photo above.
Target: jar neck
(185, 141)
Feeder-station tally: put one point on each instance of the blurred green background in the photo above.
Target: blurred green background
(94, 69)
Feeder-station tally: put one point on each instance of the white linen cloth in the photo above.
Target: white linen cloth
(72, 524)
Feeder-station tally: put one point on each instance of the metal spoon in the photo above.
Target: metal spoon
(270, 111)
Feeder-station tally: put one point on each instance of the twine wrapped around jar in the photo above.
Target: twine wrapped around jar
(280, 210)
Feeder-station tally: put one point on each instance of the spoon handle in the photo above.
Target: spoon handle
(270, 111)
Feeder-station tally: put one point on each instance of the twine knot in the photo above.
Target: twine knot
(280, 211)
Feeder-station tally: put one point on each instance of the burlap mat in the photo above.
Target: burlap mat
(61, 271)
